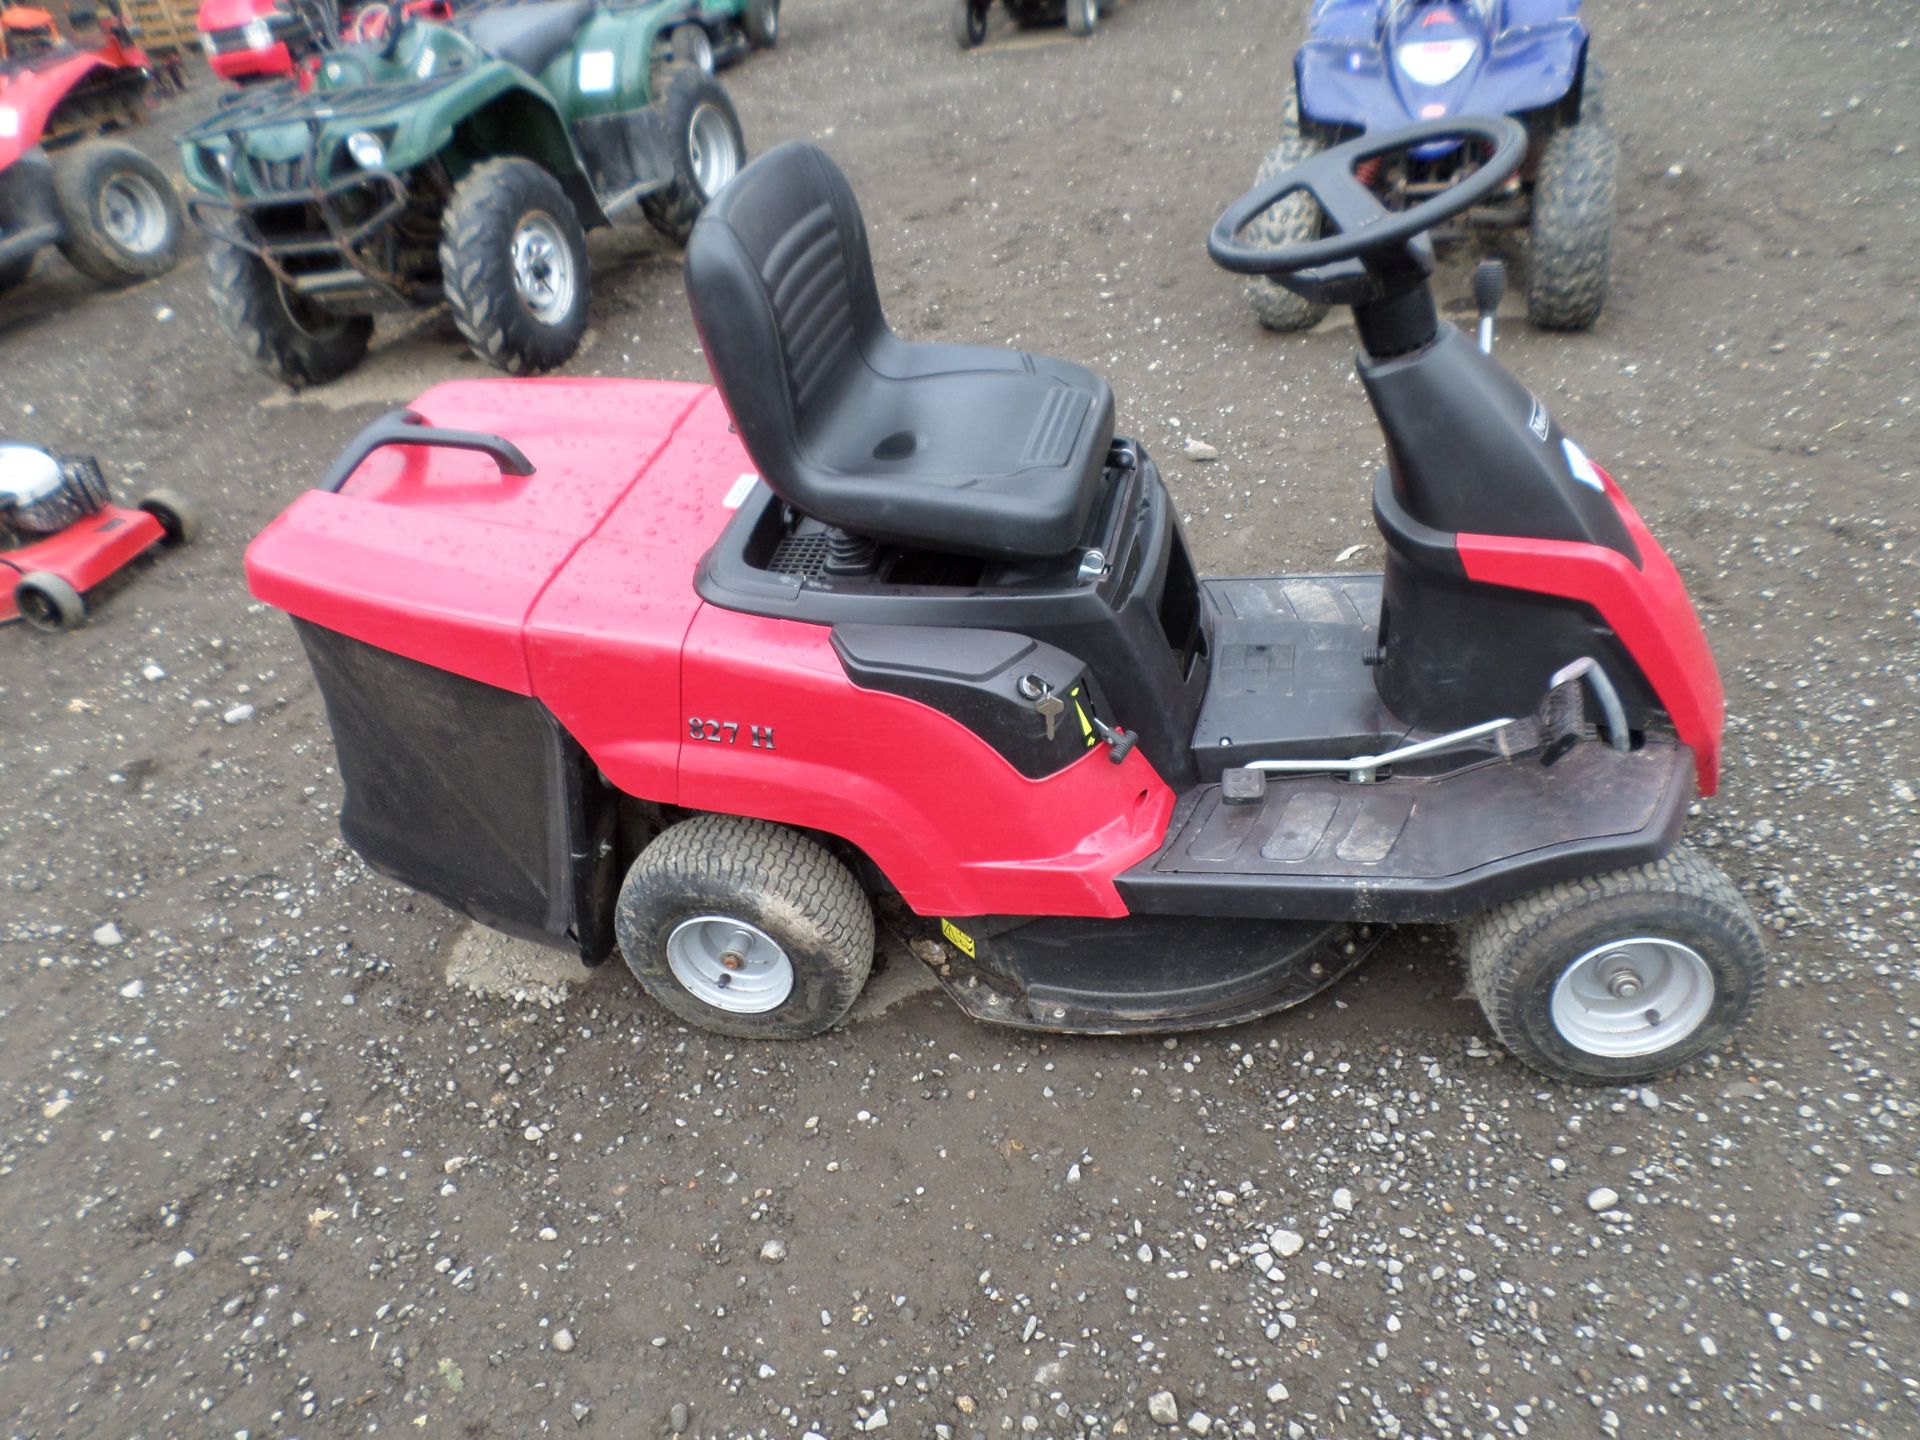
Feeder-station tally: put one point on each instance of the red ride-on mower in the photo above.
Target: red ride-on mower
(884, 619)
(110, 209)
(61, 534)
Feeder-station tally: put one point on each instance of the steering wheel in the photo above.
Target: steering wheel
(1368, 243)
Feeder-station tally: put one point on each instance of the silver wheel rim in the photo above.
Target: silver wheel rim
(132, 213)
(729, 964)
(700, 51)
(773, 22)
(1632, 997)
(543, 268)
(711, 149)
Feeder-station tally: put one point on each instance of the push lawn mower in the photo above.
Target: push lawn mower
(970, 16)
(1373, 65)
(61, 534)
(877, 618)
(112, 211)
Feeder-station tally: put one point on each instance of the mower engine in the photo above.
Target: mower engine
(42, 495)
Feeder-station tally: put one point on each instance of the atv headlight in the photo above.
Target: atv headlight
(9, 122)
(1435, 62)
(367, 151)
(215, 161)
(258, 34)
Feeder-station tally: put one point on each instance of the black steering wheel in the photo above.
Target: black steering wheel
(1372, 240)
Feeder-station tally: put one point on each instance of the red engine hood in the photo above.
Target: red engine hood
(434, 555)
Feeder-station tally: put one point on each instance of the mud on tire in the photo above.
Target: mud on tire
(698, 115)
(1570, 239)
(1519, 954)
(777, 881)
(121, 216)
(1293, 221)
(294, 342)
(513, 259)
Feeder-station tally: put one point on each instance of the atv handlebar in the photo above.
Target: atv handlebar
(1369, 245)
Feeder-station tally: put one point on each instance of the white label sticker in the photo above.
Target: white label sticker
(1582, 467)
(9, 122)
(1537, 421)
(596, 72)
(737, 492)
(425, 67)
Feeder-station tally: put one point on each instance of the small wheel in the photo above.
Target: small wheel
(49, 603)
(1570, 237)
(746, 928)
(692, 47)
(761, 21)
(1082, 16)
(179, 520)
(514, 261)
(1620, 977)
(121, 216)
(708, 150)
(1294, 221)
(969, 22)
(287, 335)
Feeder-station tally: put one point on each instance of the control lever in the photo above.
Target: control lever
(1489, 284)
(1119, 743)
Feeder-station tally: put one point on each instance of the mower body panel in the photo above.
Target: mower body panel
(33, 88)
(83, 554)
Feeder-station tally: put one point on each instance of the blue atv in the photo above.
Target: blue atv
(1376, 65)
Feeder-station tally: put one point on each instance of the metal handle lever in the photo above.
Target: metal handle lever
(1119, 742)
(406, 427)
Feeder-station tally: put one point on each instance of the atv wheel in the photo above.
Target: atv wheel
(1082, 16)
(969, 22)
(746, 928)
(513, 259)
(1593, 91)
(294, 341)
(692, 48)
(708, 151)
(1620, 977)
(13, 272)
(1293, 221)
(120, 213)
(49, 603)
(1570, 244)
(762, 23)
(179, 521)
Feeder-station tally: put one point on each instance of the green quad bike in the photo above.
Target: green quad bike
(712, 34)
(458, 162)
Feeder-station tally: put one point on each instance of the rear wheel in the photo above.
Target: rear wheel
(513, 259)
(1294, 221)
(1570, 239)
(1620, 977)
(746, 928)
(708, 151)
(762, 23)
(692, 48)
(179, 521)
(1082, 16)
(288, 337)
(969, 22)
(119, 211)
(47, 602)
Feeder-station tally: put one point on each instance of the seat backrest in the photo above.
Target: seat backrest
(783, 295)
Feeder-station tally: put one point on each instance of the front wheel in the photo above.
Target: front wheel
(47, 602)
(746, 928)
(1082, 16)
(969, 22)
(708, 151)
(287, 336)
(513, 259)
(1294, 221)
(692, 47)
(1570, 238)
(121, 216)
(1621, 977)
(762, 23)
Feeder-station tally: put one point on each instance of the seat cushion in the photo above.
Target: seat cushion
(528, 35)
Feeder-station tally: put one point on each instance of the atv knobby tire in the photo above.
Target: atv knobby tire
(673, 209)
(1517, 954)
(13, 272)
(295, 342)
(762, 23)
(775, 879)
(1082, 16)
(119, 211)
(969, 22)
(1570, 239)
(490, 212)
(1294, 221)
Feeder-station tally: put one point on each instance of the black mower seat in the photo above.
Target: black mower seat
(528, 35)
(957, 448)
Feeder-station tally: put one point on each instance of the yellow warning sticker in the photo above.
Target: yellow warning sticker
(962, 941)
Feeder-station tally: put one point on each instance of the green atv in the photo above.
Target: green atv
(711, 34)
(453, 161)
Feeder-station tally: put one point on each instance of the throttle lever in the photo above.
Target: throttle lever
(1120, 743)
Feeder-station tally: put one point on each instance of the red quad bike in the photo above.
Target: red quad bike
(878, 619)
(61, 534)
(110, 209)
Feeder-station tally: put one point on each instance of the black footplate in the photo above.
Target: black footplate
(1141, 974)
(1423, 850)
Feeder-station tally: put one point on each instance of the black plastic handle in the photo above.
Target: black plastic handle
(406, 427)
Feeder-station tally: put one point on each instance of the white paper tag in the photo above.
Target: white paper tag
(596, 72)
(737, 492)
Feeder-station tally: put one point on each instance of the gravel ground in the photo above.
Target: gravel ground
(265, 1169)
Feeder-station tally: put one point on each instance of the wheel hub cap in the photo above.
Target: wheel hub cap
(730, 964)
(711, 149)
(132, 214)
(1632, 997)
(542, 269)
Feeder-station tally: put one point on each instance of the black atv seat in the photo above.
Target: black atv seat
(957, 448)
(528, 35)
